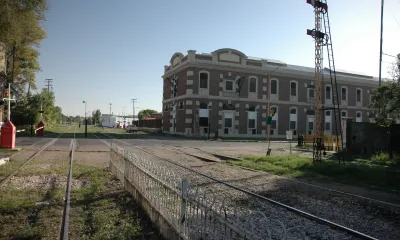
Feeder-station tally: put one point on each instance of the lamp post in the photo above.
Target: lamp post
(85, 118)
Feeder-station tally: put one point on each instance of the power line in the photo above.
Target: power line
(398, 24)
(49, 84)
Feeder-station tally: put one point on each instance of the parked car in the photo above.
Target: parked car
(131, 129)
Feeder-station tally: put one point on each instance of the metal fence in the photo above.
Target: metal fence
(180, 210)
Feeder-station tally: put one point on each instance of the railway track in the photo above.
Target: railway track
(37, 153)
(211, 179)
(65, 218)
(5, 180)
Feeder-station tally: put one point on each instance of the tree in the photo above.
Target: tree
(20, 35)
(386, 99)
(146, 113)
(96, 116)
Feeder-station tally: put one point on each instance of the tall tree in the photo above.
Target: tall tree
(146, 113)
(20, 34)
(96, 116)
(386, 99)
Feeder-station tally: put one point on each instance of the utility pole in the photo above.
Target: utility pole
(110, 108)
(133, 108)
(49, 84)
(381, 43)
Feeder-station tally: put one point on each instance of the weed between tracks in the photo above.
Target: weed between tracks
(301, 167)
(100, 210)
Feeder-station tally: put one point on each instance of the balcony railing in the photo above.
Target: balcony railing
(230, 94)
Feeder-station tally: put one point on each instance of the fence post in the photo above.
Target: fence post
(126, 169)
(185, 189)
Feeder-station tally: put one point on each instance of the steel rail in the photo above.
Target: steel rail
(65, 219)
(6, 179)
(293, 209)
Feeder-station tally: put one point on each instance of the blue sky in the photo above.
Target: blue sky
(111, 51)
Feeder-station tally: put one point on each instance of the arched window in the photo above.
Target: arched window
(252, 84)
(344, 93)
(274, 86)
(328, 91)
(359, 98)
(358, 116)
(293, 88)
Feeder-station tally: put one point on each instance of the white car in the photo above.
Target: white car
(132, 129)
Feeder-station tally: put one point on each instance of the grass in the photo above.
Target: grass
(99, 210)
(295, 166)
(381, 158)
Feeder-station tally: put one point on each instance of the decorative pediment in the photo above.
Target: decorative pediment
(230, 55)
(176, 58)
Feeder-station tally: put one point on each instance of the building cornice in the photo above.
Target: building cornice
(261, 101)
(277, 72)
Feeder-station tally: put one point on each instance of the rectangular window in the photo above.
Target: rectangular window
(311, 93)
(344, 114)
(253, 85)
(327, 113)
(293, 89)
(203, 80)
(273, 124)
(252, 123)
(344, 94)
(229, 85)
(203, 122)
(292, 125)
(328, 126)
(310, 126)
(274, 87)
(228, 122)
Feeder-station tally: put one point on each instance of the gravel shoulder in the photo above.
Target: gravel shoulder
(375, 219)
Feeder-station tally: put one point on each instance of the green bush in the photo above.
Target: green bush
(381, 158)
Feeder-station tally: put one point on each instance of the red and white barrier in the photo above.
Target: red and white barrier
(38, 129)
(23, 130)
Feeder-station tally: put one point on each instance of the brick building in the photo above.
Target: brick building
(226, 91)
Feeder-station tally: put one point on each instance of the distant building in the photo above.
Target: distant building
(113, 121)
(226, 92)
(156, 115)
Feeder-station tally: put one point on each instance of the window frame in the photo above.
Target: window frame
(359, 112)
(248, 123)
(341, 93)
(330, 92)
(208, 79)
(256, 84)
(297, 118)
(361, 96)
(341, 114)
(277, 86)
(233, 85)
(296, 89)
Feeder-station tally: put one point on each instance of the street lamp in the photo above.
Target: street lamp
(85, 118)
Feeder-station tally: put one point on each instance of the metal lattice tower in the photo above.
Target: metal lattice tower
(323, 39)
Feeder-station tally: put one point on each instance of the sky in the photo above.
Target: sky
(103, 51)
